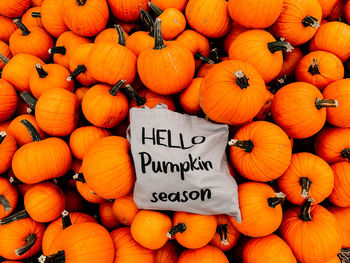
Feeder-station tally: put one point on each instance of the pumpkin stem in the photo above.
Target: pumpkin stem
(241, 79)
(5, 203)
(114, 90)
(30, 241)
(18, 216)
(79, 69)
(4, 59)
(314, 67)
(14, 180)
(121, 35)
(346, 153)
(66, 222)
(179, 228)
(214, 55)
(79, 177)
(158, 38)
(33, 132)
(247, 146)
(3, 135)
(28, 99)
(280, 45)
(22, 27)
(305, 183)
(42, 73)
(133, 94)
(274, 201)
(147, 21)
(278, 84)
(310, 21)
(305, 210)
(344, 255)
(222, 230)
(58, 50)
(320, 103)
(203, 58)
(81, 2)
(155, 8)
(36, 14)
(59, 257)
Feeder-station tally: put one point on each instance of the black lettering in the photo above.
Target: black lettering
(207, 165)
(159, 138)
(184, 193)
(200, 163)
(194, 195)
(155, 199)
(156, 167)
(184, 167)
(163, 197)
(205, 192)
(144, 138)
(182, 143)
(174, 197)
(143, 162)
(172, 166)
(193, 162)
(201, 140)
(169, 141)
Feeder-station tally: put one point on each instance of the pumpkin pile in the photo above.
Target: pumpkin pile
(274, 71)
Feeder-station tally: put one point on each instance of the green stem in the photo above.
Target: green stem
(346, 153)
(222, 231)
(203, 58)
(121, 35)
(79, 177)
(66, 221)
(314, 67)
(147, 21)
(133, 94)
(247, 146)
(274, 201)
(214, 55)
(41, 72)
(158, 38)
(81, 2)
(310, 21)
(28, 99)
(36, 14)
(321, 103)
(59, 257)
(30, 241)
(241, 79)
(33, 132)
(179, 228)
(18, 216)
(305, 183)
(79, 70)
(305, 214)
(155, 9)
(114, 90)
(5, 203)
(280, 45)
(58, 50)
(4, 59)
(22, 27)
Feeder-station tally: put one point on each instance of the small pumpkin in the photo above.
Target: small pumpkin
(8, 148)
(340, 196)
(127, 11)
(226, 236)
(14, 8)
(32, 18)
(337, 13)
(7, 27)
(8, 197)
(342, 213)
(167, 254)
(236, 29)
(125, 209)
(80, 93)
(148, 98)
(290, 62)
(107, 217)
(110, 34)
(52, 17)
(5, 51)
(327, 6)
(207, 254)
(85, 191)
(190, 97)
(164, 4)
(8, 100)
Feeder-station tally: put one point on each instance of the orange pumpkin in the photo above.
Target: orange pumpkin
(80, 93)
(32, 18)
(226, 236)
(190, 97)
(232, 92)
(149, 229)
(85, 191)
(147, 98)
(52, 17)
(108, 219)
(5, 51)
(8, 100)
(74, 201)
(340, 196)
(337, 13)
(164, 4)
(290, 62)
(236, 29)
(260, 151)
(141, 40)
(342, 214)
(7, 27)
(8, 148)
(127, 11)
(14, 8)
(125, 209)
(207, 254)
(167, 254)
(8, 197)
(260, 208)
(327, 6)
(110, 34)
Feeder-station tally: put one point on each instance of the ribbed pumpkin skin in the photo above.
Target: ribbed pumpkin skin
(164, 4)
(139, 42)
(267, 249)
(55, 227)
(129, 10)
(207, 254)
(289, 24)
(7, 27)
(80, 93)
(200, 16)
(255, 14)
(173, 23)
(84, 243)
(224, 101)
(167, 254)
(8, 148)
(342, 214)
(125, 209)
(10, 193)
(29, 21)
(290, 62)
(327, 6)
(52, 17)
(8, 100)
(14, 8)
(232, 234)
(270, 156)
(127, 250)
(110, 34)
(252, 47)
(333, 37)
(340, 91)
(340, 196)
(108, 168)
(4, 50)
(337, 13)
(108, 219)
(330, 142)
(190, 97)
(307, 244)
(293, 109)
(330, 67)
(258, 218)
(236, 29)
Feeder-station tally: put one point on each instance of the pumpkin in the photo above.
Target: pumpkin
(265, 111)
(32, 18)
(47, 77)
(307, 176)
(226, 236)
(164, 4)
(290, 62)
(347, 11)
(319, 68)
(110, 34)
(165, 69)
(340, 196)
(333, 144)
(298, 21)
(107, 167)
(333, 37)
(298, 230)
(261, 50)
(35, 41)
(44, 202)
(193, 230)
(260, 208)
(41, 159)
(260, 151)
(8, 148)
(167, 254)
(299, 109)
(342, 213)
(149, 228)
(7, 27)
(339, 90)
(327, 6)
(190, 97)
(18, 70)
(65, 46)
(20, 132)
(115, 105)
(5, 51)
(57, 226)
(145, 97)
(37, 2)
(8, 197)
(127, 11)
(108, 219)
(236, 29)
(125, 209)
(127, 250)
(8, 100)
(14, 8)
(200, 16)
(74, 201)
(85, 191)
(86, 242)
(80, 93)
(207, 254)
(82, 137)
(250, 14)
(23, 108)
(232, 92)
(52, 17)
(270, 248)
(337, 13)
